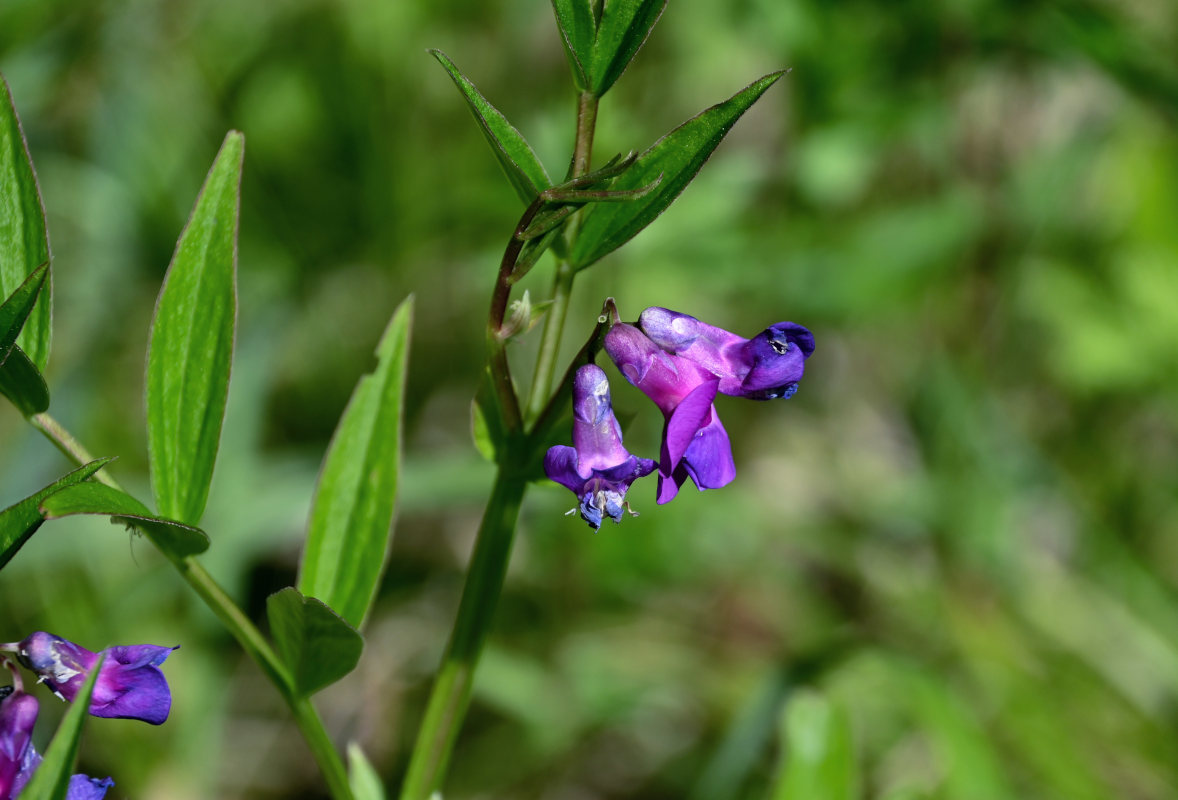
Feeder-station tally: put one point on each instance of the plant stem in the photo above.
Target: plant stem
(451, 691)
(235, 620)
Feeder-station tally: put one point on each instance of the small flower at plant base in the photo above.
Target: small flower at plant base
(765, 367)
(695, 444)
(130, 684)
(597, 468)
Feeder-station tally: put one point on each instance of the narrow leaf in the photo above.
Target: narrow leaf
(352, 513)
(20, 521)
(22, 383)
(362, 778)
(16, 309)
(625, 26)
(24, 243)
(486, 420)
(191, 348)
(818, 755)
(519, 162)
(678, 156)
(51, 781)
(578, 30)
(171, 537)
(317, 645)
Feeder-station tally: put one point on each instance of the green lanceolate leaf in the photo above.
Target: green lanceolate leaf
(22, 383)
(362, 778)
(578, 30)
(486, 420)
(171, 537)
(677, 157)
(16, 309)
(516, 157)
(317, 645)
(818, 754)
(352, 513)
(20, 521)
(24, 243)
(51, 781)
(191, 348)
(624, 27)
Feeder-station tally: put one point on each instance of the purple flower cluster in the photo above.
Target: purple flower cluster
(129, 685)
(681, 364)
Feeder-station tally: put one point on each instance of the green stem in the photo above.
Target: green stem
(450, 695)
(235, 620)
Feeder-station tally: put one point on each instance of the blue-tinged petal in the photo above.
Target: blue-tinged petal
(83, 787)
(560, 465)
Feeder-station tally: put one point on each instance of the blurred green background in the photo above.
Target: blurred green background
(962, 531)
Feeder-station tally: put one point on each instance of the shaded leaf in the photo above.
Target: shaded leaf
(191, 350)
(624, 27)
(486, 420)
(171, 537)
(578, 31)
(677, 157)
(818, 755)
(519, 162)
(317, 645)
(24, 243)
(16, 309)
(23, 384)
(352, 513)
(51, 781)
(20, 521)
(363, 779)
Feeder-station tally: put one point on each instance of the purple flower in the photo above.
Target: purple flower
(18, 758)
(597, 468)
(765, 367)
(130, 684)
(695, 444)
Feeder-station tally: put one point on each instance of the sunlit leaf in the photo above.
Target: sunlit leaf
(22, 383)
(363, 779)
(20, 521)
(352, 513)
(171, 537)
(317, 645)
(51, 781)
(624, 27)
(578, 30)
(677, 157)
(515, 155)
(24, 243)
(191, 349)
(818, 754)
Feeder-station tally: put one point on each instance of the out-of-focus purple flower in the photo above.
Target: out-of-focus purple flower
(765, 367)
(597, 468)
(695, 444)
(130, 684)
(18, 758)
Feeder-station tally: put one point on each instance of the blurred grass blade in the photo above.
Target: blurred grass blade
(191, 349)
(625, 26)
(20, 521)
(24, 242)
(486, 420)
(678, 156)
(364, 780)
(22, 383)
(173, 538)
(352, 513)
(578, 30)
(51, 781)
(516, 157)
(15, 310)
(317, 645)
(818, 756)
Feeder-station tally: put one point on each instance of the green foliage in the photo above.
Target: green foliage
(20, 521)
(16, 309)
(23, 384)
(24, 243)
(677, 157)
(352, 514)
(172, 538)
(52, 778)
(519, 162)
(601, 42)
(318, 646)
(191, 349)
(818, 753)
(364, 780)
